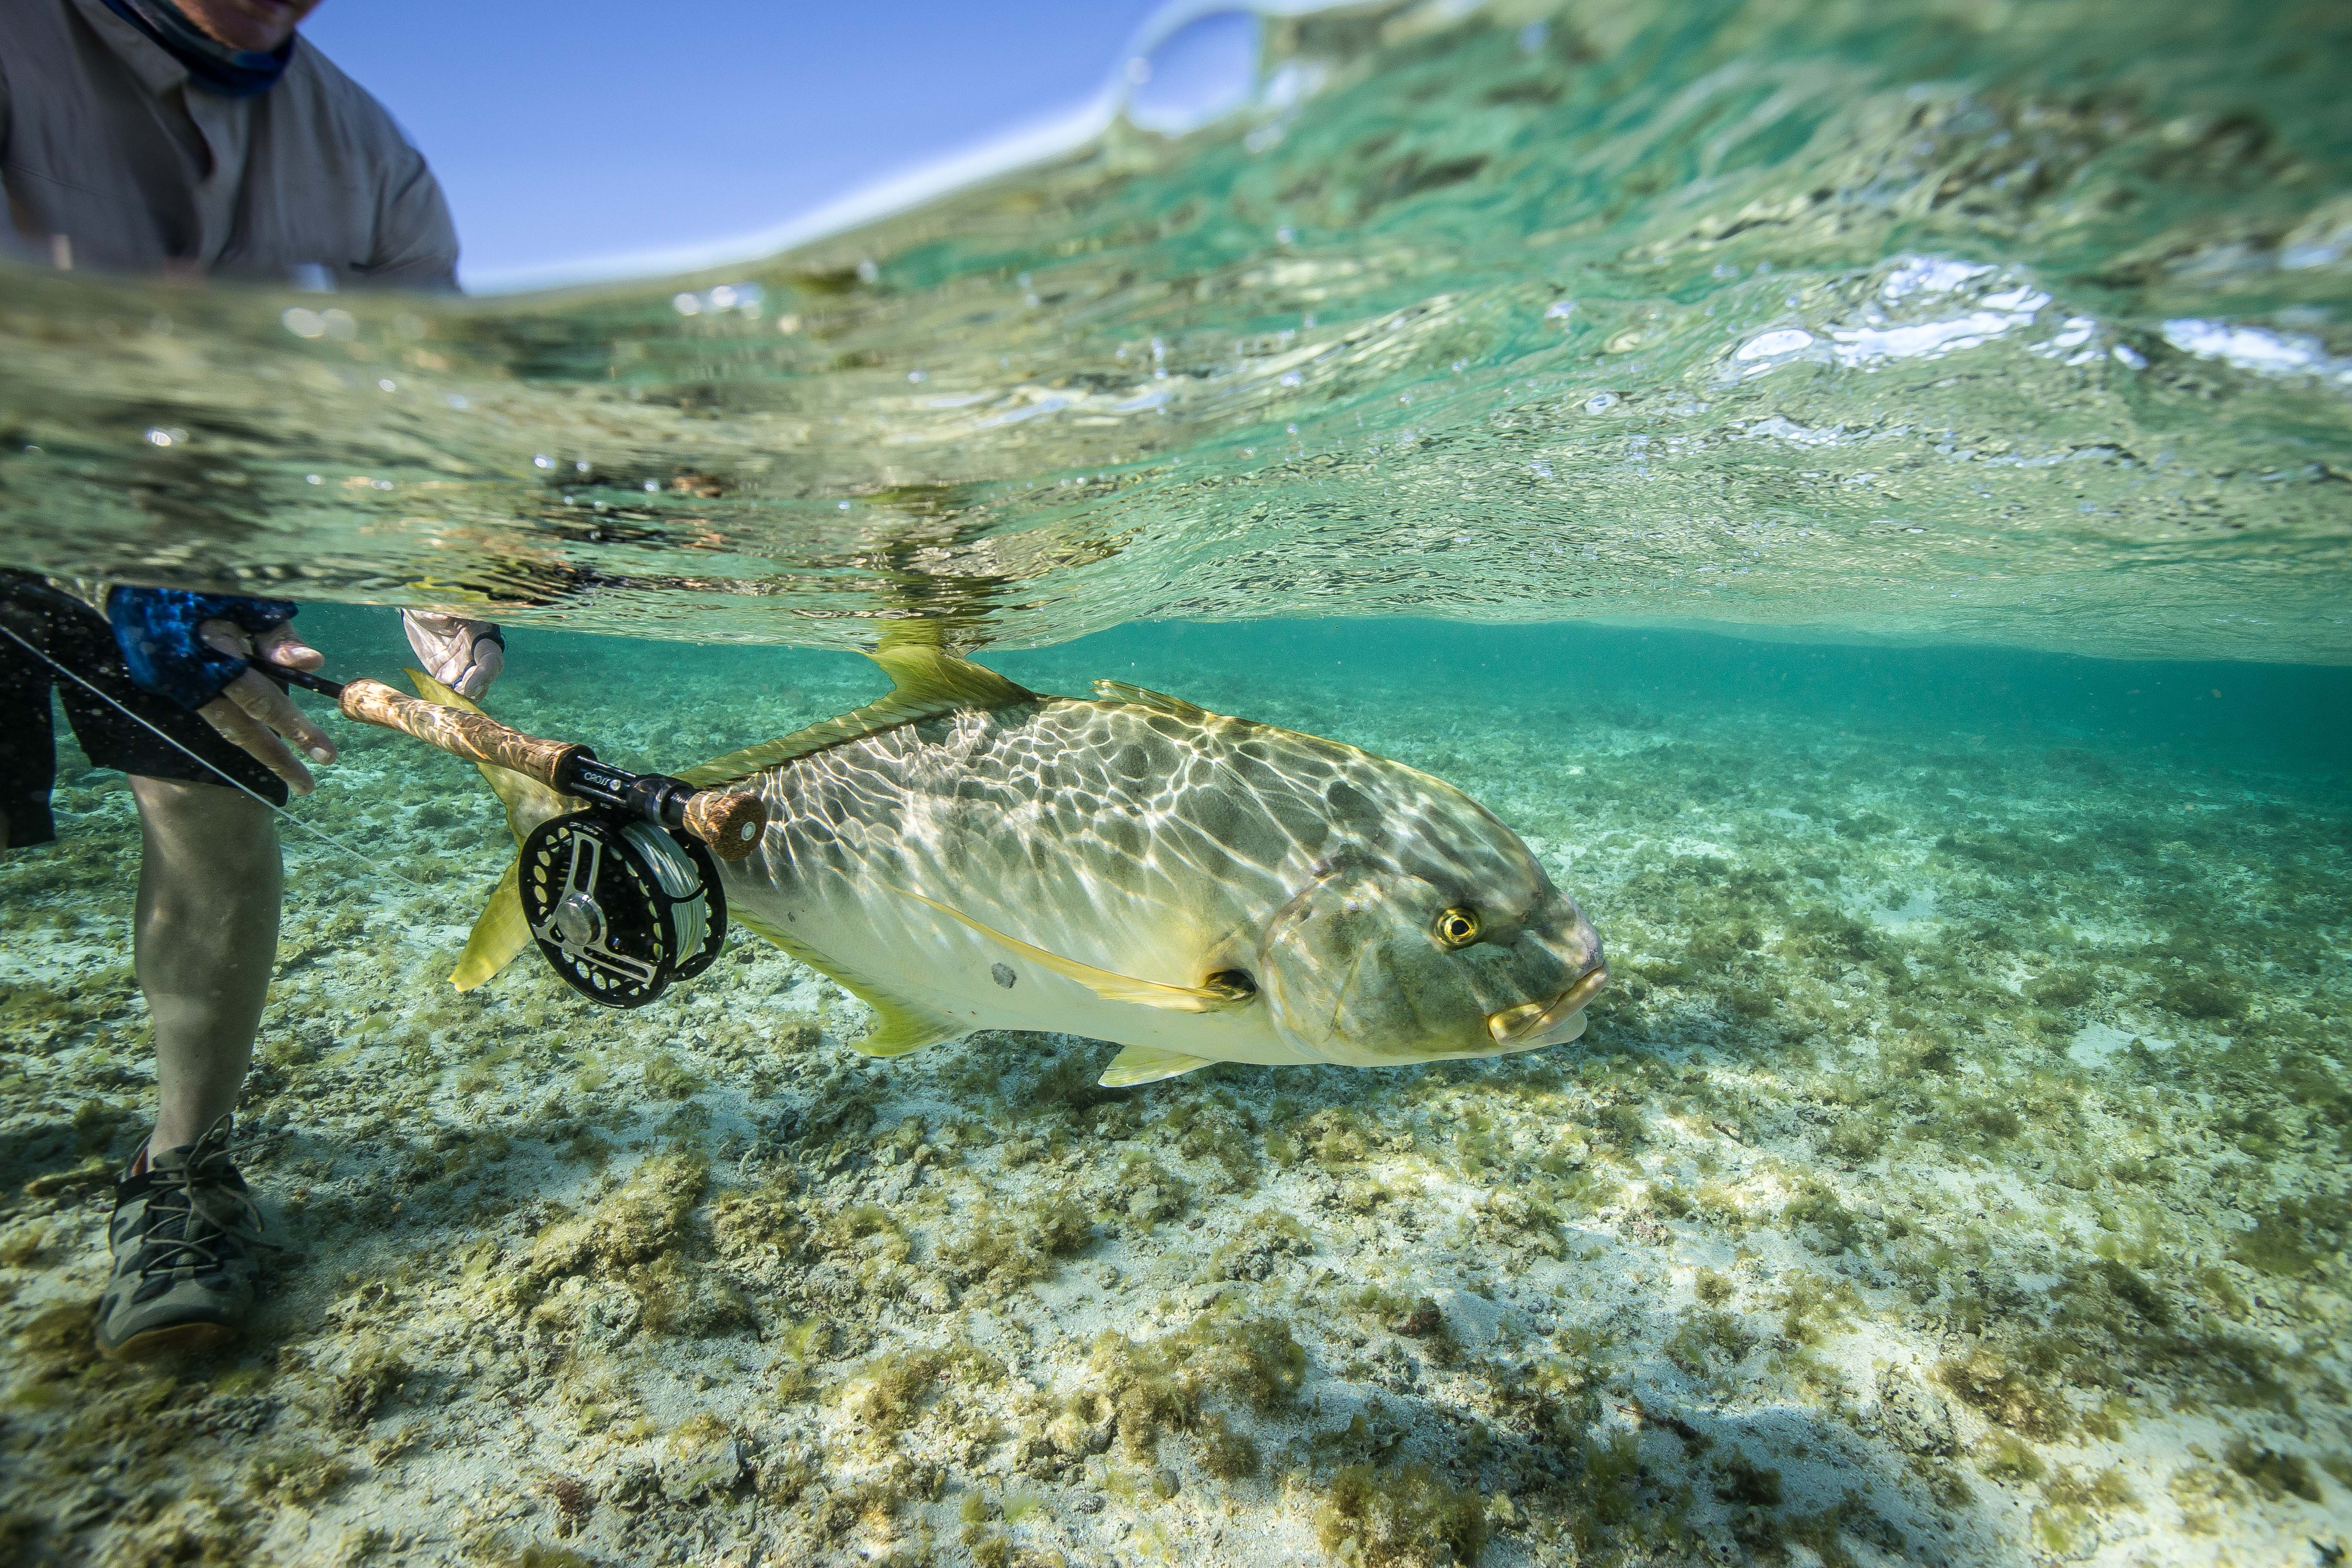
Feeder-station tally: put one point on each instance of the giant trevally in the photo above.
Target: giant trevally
(966, 854)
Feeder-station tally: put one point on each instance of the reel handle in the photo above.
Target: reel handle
(729, 821)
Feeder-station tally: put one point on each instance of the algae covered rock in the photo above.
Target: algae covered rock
(1084, 1425)
(701, 1458)
(1913, 1419)
(1259, 1248)
(370, 1379)
(1405, 1518)
(1170, 1382)
(626, 1261)
(646, 1217)
(595, 1314)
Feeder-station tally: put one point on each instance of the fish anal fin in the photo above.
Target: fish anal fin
(500, 934)
(897, 1030)
(926, 684)
(1147, 1063)
(900, 1025)
(1144, 696)
(1104, 982)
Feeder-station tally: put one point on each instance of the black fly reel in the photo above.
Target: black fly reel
(619, 908)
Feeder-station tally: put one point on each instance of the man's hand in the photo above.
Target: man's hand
(252, 712)
(194, 648)
(462, 654)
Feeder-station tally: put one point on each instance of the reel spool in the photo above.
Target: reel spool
(620, 909)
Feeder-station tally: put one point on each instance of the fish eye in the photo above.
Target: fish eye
(1458, 927)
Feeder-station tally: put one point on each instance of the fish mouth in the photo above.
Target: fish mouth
(1531, 1021)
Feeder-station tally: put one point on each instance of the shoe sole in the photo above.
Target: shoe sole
(179, 1339)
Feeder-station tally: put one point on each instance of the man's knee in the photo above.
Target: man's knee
(184, 802)
(210, 832)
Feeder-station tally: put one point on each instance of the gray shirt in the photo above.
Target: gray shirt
(111, 159)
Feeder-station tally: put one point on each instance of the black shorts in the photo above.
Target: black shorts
(79, 639)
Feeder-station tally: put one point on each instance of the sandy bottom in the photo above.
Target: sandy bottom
(1956, 1175)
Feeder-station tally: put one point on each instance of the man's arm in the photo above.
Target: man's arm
(196, 650)
(415, 240)
(14, 246)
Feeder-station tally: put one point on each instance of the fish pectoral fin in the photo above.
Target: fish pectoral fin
(900, 1025)
(500, 934)
(1144, 696)
(1147, 1063)
(1106, 984)
(502, 930)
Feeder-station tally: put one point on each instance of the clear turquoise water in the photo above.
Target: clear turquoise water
(1955, 1169)
(1944, 719)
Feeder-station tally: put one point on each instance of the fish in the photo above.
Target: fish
(965, 855)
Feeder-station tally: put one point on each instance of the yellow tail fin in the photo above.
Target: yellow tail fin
(501, 932)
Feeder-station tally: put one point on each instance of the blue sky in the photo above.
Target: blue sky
(598, 129)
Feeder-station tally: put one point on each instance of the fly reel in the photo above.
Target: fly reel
(620, 909)
(622, 898)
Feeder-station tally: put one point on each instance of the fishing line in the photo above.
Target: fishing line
(205, 763)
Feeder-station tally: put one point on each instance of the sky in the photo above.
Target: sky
(595, 129)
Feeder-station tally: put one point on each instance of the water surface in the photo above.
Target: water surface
(1966, 321)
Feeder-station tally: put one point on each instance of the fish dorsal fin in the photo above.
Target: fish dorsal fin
(925, 684)
(1103, 983)
(900, 1025)
(1147, 1063)
(1144, 696)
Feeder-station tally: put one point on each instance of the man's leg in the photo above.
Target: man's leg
(185, 1234)
(205, 940)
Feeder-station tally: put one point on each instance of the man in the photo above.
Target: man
(192, 138)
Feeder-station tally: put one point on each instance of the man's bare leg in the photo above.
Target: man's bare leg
(205, 942)
(185, 1234)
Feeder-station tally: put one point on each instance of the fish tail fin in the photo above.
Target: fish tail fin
(501, 932)
(515, 791)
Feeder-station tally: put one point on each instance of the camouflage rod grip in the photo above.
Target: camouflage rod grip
(461, 734)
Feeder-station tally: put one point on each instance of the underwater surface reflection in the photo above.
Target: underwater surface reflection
(1980, 322)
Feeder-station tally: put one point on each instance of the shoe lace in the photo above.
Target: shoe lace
(174, 1195)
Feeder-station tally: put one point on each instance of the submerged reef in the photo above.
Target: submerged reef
(1956, 1174)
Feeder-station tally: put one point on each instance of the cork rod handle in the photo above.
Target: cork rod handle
(461, 734)
(729, 821)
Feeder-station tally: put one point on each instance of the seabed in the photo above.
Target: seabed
(1956, 1174)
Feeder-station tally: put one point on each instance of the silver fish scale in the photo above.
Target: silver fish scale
(1019, 804)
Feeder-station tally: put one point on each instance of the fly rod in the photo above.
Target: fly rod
(622, 898)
